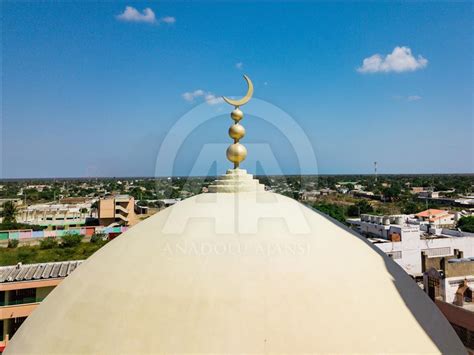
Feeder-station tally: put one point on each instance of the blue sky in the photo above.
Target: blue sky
(87, 92)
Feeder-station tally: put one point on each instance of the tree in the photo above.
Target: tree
(71, 240)
(332, 210)
(13, 243)
(466, 224)
(48, 243)
(392, 193)
(359, 208)
(9, 212)
(412, 207)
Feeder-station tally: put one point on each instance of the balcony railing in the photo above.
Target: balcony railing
(22, 301)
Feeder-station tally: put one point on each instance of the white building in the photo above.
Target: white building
(404, 238)
(449, 282)
(439, 218)
(55, 214)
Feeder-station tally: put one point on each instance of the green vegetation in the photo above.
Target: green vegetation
(412, 207)
(9, 212)
(48, 243)
(466, 224)
(98, 237)
(16, 226)
(359, 208)
(71, 240)
(13, 243)
(392, 193)
(337, 212)
(48, 251)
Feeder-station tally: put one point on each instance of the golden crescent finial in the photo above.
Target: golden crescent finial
(245, 99)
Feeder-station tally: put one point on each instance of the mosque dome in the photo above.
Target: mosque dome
(246, 272)
(237, 270)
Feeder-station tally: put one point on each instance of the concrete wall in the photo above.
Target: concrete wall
(451, 285)
(107, 208)
(411, 247)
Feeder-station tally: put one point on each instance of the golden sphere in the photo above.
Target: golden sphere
(237, 115)
(236, 153)
(236, 131)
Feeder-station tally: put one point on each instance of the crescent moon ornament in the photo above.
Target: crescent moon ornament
(245, 99)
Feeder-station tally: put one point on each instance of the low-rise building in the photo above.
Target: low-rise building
(438, 218)
(23, 287)
(310, 196)
(56, 215)
(117, 210)
(429, 194)
(449, 282)
(315, 194)
(404, 238)
(417, 189)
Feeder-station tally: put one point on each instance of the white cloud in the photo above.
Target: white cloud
(211, 99)
(168, 19)
(407, 98)
(400, 60)
(239, 65)
(131, 14)
(190, 96)
(208, 97)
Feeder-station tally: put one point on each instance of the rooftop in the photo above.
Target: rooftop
(432, 213)
(32, 272)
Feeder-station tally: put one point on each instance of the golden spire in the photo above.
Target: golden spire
(236, 152)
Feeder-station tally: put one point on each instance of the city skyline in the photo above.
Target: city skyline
(91, 89)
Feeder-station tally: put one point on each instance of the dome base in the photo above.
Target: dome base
(236, 180)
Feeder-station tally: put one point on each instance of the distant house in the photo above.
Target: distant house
(429, 194)
(439, 218)
(343, 190)
(313, 195)
(417, 189)
(310, 196)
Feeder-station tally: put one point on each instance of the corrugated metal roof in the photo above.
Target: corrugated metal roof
(31, 272)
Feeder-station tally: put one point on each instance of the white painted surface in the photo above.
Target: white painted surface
(203, 291)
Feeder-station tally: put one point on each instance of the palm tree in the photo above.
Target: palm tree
(9, 212)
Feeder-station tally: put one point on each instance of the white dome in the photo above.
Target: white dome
(237, 273)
